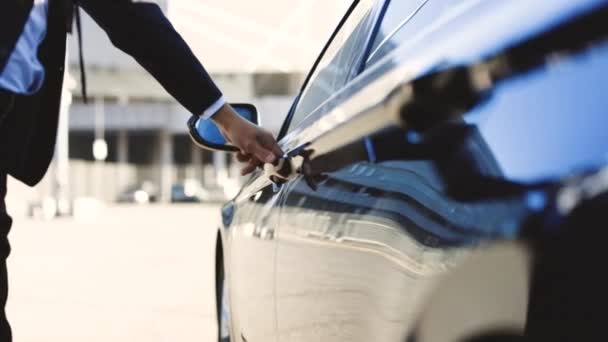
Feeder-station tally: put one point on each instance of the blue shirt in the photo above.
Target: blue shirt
(24, 74)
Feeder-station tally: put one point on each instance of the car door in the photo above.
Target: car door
(251, 218)
(253, 215)
(361, 240)
(355, 256)
(250, 221)
(359, 248)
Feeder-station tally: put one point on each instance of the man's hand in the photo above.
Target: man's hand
(256, 145)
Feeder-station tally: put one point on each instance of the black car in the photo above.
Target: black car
(444, 180)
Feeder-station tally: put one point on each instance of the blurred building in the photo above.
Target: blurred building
(257, 52)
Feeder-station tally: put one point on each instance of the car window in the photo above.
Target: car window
(340, 63)
(410, 20)
(565, 132)
(397, 14)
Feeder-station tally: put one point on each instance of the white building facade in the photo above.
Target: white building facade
(257, 52)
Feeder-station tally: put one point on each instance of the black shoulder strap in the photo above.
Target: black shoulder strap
(83, 75)
(68, 10)
(72, 11)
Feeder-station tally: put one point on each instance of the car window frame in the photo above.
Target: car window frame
(375, 27)
(402, 24)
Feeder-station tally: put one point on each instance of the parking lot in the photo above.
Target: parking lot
(135, 273)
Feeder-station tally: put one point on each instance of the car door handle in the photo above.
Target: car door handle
(292, 164)
(282, 172)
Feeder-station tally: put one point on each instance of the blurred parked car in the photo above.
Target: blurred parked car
(179, 193)
(144, 192)
(192, 191)
(444, 180)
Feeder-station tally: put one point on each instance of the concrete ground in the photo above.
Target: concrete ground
(135, 273)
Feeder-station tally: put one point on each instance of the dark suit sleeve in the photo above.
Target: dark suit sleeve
(141, 30)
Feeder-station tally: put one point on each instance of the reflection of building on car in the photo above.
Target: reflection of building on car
(444, 180)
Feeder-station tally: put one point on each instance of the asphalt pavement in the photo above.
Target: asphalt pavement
(135, 273)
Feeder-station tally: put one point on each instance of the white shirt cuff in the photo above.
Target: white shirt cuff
(214, 108)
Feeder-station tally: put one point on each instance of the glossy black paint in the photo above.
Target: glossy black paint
(366, 253)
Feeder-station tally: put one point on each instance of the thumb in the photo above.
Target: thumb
(261, 152)
(271, 144)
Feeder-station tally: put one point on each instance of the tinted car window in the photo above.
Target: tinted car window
(410, 20)
(340, 63)
(550, 122)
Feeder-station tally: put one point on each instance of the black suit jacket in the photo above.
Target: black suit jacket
(140, 29)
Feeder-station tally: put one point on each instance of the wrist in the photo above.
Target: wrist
(225, 117)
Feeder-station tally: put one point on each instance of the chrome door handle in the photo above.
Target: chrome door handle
(282, 172)
(288, 167)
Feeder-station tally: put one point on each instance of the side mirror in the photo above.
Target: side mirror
(207, 135)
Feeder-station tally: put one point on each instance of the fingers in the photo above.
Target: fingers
(243, 157)
(252, 163)
(250, 167)
(262, 150)
(270, 144)
(275, 148)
